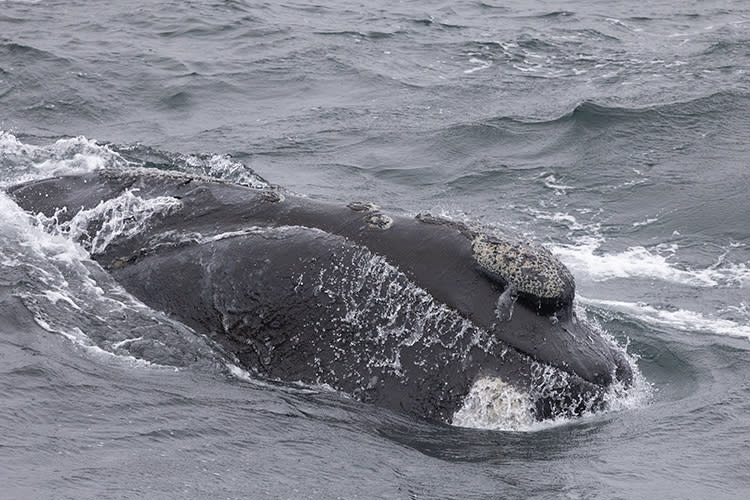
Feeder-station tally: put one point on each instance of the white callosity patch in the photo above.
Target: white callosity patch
(494, 404)
(121, 217)
(531, 269)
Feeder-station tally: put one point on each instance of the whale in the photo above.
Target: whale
(410, 313)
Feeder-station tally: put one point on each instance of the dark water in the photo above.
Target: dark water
(616, 133)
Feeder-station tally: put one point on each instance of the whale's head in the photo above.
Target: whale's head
(420, 315)
(575, 365)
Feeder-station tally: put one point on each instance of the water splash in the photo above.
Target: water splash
(70, 295)
(77, 155)
(215, 166)
(495, 405)
(122, 217)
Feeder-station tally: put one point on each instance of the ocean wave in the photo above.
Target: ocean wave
(369, 35)
(18, 50)
(77, 155)
(703, 108)
(593, 113)
(520, 133)
(727, 48)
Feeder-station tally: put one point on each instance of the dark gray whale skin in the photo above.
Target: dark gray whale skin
(392, 310)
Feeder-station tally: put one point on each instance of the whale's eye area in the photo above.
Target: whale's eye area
(538, 277)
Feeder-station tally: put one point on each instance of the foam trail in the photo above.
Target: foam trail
(586, 260)
(681, 319)
(639, 262)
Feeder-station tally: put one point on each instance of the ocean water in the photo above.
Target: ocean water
(614, 133)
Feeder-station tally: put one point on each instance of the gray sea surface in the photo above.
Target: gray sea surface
(614, 133)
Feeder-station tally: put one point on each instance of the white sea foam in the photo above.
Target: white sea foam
(80, 339)
(70, 295)
(551, 182)
(585, 260)
(63, 157)
(121, 217)
(680, 319)
(646, 222)
(78, 155)
(54, 296)
(495, 405)
(18, 228)
(223, 167)
(480, 64)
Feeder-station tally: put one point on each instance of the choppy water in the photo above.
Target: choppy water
(614, 133)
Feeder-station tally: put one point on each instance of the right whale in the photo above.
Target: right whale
(408, 313)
